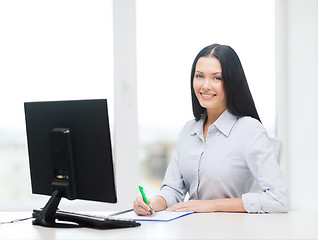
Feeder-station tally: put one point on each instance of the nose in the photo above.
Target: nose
(207, 84)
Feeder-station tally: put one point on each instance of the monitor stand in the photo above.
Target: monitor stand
(47, 216)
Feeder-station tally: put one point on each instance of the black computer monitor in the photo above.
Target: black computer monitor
(70, 153)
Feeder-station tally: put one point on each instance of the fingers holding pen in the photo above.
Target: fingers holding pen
(141, 208)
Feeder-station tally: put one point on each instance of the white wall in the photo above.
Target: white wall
(297, 86)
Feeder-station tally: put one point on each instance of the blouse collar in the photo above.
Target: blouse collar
(224, 123)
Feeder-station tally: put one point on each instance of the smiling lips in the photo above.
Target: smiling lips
(207, 96)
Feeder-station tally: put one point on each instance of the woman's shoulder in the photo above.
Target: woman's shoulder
(191, 123)
(249, 122)
(189, 126)
(250, 126)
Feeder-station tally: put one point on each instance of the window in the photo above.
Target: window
(64, 50)
(49, 50)
(169, 35)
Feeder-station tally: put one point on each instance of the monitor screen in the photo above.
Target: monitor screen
(69, 148)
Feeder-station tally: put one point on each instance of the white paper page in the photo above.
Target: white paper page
(157, 216)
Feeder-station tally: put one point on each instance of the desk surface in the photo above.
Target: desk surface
(293, 225)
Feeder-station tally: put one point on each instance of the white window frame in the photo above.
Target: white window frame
(126, 124)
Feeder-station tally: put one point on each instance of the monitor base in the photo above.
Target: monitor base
(47, 216)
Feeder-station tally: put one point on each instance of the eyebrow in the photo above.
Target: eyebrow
(215, 73)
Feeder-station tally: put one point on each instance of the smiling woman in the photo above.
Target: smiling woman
(221, 151)
(166, 47)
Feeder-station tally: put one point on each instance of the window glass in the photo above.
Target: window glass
(169, 35)
(49, 50)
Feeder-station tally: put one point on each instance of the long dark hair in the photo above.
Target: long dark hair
(239, 99)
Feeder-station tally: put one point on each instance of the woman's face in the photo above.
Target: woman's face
(208, 84)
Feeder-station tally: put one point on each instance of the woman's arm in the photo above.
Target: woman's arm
(217, 205)
(260, 158)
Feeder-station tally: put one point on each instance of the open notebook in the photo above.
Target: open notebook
(162, 216)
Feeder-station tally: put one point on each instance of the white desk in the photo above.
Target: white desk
(293, 225)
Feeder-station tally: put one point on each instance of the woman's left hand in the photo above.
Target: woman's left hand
(193, 206)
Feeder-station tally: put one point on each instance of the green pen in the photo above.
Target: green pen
(144, 197)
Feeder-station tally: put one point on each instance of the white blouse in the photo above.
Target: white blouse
(237, 150)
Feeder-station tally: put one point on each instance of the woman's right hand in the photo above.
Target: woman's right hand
(142, 209)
